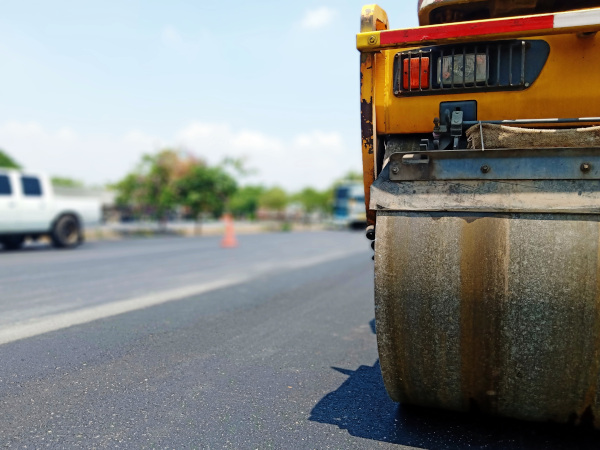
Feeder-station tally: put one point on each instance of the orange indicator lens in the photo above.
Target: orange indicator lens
(419, 70)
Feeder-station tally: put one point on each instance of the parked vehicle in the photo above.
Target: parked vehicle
(349, 205)
(29, 208)
(481, 158)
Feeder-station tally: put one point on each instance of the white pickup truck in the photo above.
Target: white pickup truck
(29, 208)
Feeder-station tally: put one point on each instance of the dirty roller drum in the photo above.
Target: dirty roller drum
(495, 309)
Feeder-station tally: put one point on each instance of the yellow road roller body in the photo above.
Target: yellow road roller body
(481, 159)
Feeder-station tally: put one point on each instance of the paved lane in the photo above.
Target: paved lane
(284, 357)
(41, 281)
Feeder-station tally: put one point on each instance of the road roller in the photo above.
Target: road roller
(480, 137)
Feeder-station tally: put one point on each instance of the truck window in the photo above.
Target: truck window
(31, 186)
(5, 185)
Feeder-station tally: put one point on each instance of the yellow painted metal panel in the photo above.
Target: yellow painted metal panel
(373, 19)
(367, 121)
(568, 86)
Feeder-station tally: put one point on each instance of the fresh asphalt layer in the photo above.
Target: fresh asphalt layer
(177, 343)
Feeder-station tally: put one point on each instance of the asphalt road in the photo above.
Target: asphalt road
(177, 343)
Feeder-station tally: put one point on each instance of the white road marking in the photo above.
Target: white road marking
(36, 327)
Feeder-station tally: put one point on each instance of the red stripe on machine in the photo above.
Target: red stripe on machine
(423, 34)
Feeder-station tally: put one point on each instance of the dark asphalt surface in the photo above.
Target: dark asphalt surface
(285, 358)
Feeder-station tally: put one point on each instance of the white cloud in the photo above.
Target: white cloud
(90, 158)
(318, 18)
(139, 139)
(66, 134)
(307, 159)
(257, 142)
(314, 158)
(206, 132)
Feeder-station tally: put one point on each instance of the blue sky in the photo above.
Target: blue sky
(90, 86)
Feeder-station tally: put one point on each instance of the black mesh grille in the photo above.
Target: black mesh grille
(500, 65)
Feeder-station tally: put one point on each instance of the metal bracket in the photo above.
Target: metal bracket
(497, 164)
(456, 127)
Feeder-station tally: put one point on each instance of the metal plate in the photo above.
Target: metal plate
(528, 196)
(498, 164)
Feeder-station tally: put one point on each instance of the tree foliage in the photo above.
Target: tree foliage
(149, 188)
(7, 161)
(245, 201)
(313, 200)
(205, 189)
(171, 178)
(274, 199)
(66, 182)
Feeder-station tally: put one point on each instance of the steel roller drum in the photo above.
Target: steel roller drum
(492, 312)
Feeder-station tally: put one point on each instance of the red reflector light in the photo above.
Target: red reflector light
(419, 70)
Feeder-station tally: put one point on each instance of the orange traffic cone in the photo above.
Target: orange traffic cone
(229, 239)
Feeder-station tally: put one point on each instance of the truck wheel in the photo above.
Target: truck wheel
(66, 232)
(12, 242)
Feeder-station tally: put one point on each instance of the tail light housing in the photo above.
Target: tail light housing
(487, 66)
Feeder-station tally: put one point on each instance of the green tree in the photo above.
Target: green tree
(245, 201)
(238, 165)
(158, 190)
(205, 189)
(7, 161)
(127, 189)
(152, 187)
(66, 182)
(313, 200)
(274, 199)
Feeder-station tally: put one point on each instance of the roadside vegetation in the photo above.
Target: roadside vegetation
(174, 184)
(7, 162)
(171, 180)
